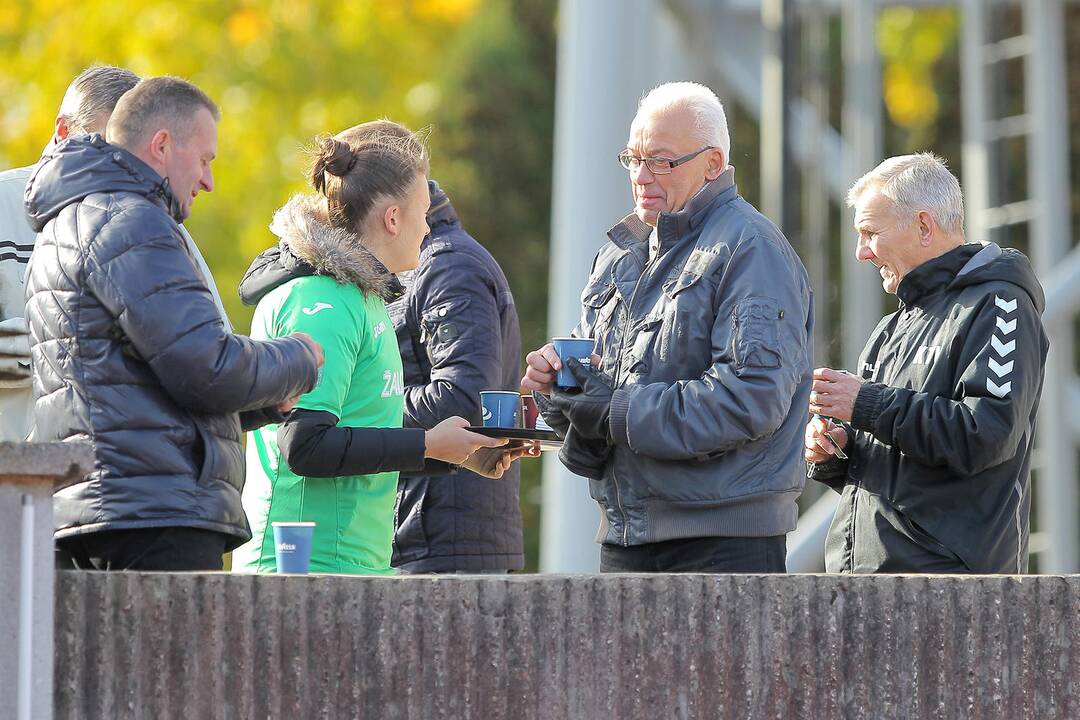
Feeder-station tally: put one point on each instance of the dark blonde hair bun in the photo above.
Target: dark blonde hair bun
(358, 166)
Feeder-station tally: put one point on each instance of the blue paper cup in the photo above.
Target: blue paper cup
(500, 409)
(571, 347)
(292, 546)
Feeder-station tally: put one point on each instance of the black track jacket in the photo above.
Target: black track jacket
(944, 425)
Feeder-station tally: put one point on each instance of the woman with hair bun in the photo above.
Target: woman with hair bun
(334, 459)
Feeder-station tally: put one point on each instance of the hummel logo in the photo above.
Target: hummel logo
(1006, 305)
(1006, 328)
(1000, 369)
(999, 390)
(319, 307)
(1002, 349)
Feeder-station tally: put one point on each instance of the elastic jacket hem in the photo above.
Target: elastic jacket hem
(236, 537)
(466, 563)
(754, 516)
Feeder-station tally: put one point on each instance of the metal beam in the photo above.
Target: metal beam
(736, 49)
(975, 99)
(862, 111)
(1048, 180)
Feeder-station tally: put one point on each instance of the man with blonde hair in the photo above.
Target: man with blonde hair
(690, 427)
(938, 425)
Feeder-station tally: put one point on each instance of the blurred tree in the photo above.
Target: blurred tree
(282, 71)
(492, 152)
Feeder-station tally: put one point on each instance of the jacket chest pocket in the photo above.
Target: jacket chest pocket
(686, 316)
(442, 326)
(599, 302)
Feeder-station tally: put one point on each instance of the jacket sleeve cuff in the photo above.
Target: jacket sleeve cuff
(868, 406)
(406, 451)
(620, 406)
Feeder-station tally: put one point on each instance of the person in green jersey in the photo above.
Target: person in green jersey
(335, 459)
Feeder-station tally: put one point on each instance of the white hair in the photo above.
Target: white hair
(710, 121)
(914, 183)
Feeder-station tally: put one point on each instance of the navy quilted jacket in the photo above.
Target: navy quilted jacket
(457, 329)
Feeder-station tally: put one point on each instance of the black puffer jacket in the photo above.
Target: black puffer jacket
(457, 329)
(130, 352)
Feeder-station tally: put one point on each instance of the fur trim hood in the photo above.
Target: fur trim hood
(309, 246)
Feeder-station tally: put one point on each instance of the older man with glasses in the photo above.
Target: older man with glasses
(688, 422)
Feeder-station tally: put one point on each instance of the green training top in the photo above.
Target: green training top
(362, 384)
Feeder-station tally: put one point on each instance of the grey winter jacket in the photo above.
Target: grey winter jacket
(709, 345)
(938, 475)
(457, 328)
(130, 352)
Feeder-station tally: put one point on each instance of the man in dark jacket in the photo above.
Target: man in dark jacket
(690, 429)
(939, 425)
(85, 109)
(457, 329)
(129, 350)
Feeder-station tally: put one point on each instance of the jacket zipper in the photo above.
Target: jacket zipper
(618, 370)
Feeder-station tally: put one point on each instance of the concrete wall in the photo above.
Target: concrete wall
(689, 646)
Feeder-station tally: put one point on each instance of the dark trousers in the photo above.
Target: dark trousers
(167, 549)
(699, 555)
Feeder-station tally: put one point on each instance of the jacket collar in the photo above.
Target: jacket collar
(309, 246)
(441, 213)
(672, 227)
(936, 274)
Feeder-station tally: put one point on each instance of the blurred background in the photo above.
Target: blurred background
(530, 100)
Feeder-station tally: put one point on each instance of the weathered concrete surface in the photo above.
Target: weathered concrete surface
(56, 463)
(32, 469)
(685, 646)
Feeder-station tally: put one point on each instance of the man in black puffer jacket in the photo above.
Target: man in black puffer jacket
(129, 350)
(457, 329)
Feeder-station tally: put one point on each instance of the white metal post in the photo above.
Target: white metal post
(974, 98)
(861, 297)
(1048, 178)
(26, 610)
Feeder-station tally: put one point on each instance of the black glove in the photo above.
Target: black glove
(584, 457)
(552, 416)
(589, 406)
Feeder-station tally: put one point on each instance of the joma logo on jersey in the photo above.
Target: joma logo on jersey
(317, 308)
(927, 354)
(378, 329)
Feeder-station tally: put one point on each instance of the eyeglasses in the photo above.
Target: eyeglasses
(657, 165)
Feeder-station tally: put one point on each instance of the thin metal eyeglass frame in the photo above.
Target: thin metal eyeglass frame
(672, 164)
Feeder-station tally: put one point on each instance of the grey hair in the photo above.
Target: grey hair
(92, 96)
(914, 183)
(154, 104)
(710, 120)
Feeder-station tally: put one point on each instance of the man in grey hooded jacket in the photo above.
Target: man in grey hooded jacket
(689, 427)
(85, 109)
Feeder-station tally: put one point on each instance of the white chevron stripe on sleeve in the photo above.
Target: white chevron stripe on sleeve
(1006, 327)
(1000, 369)
(998, 390)
(1003, 349)
(1006, 305)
